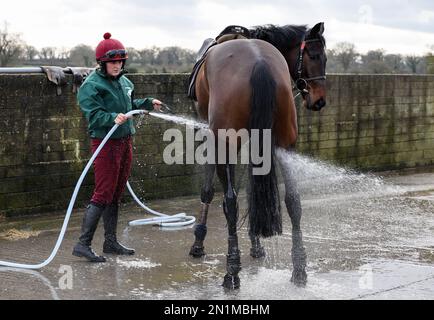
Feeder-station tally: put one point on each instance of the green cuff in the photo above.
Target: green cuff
(145, 103)
(113, 117)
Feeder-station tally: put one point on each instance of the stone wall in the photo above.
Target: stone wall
(372, 122)
(375, 122)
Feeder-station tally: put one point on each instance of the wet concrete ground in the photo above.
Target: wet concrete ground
(375, 242)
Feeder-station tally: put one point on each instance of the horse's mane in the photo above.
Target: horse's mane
(283, 38)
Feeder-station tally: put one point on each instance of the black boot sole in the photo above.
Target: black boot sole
(110, 251)
(81, 255)
(120, 253)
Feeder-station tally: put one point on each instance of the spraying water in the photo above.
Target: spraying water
(314, 177)
(180, 120)
(321, 179)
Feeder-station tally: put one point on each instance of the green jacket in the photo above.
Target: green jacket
(102, 98)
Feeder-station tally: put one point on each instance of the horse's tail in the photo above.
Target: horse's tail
(265, 218)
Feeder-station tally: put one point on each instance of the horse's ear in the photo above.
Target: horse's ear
(318, 29)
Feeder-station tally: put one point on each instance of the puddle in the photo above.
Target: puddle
(377, 279)
(366, 237)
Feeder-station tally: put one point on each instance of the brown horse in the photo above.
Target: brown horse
(245, 84)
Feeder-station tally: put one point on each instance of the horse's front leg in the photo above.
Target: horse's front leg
(198, 250)
(293, 205)
(230, 209)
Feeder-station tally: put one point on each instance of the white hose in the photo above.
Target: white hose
(37, 275)
(163, 218)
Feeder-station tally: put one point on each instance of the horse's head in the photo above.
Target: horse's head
(304, 51)
(310, 69)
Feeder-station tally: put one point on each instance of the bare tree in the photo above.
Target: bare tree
(30, 52)
(412, 63)
(63, 53)
(346, 54)
(374, 62)
(11, 47)
(395, 62)
(82, 56)
(48, 53)
(133, 55)
(147, 56)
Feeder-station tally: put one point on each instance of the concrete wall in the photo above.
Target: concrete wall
(371, 122)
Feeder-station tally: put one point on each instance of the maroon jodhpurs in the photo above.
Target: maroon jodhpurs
(112, 168)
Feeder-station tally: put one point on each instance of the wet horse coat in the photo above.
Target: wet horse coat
(229, 67)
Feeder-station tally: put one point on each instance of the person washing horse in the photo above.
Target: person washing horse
(104, 98)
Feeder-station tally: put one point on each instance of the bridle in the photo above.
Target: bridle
(300, 82)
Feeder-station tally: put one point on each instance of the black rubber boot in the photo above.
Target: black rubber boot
(111, 244)
(90, 222)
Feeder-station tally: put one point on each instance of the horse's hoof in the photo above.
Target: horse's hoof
(299, 278)
(231, 282)
(258, 252)
(197, 252)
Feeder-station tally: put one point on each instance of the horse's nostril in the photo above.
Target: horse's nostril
(321, 103)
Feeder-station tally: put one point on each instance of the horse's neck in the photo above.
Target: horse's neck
(291, 58)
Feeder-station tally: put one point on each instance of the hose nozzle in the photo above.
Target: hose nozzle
(167, 108)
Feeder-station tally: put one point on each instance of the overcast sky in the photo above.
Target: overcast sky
(398, 26)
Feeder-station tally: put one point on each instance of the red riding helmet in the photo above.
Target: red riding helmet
(110, 50)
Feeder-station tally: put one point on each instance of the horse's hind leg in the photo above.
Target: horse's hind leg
(207, 194)
(257, 250)
(293, 204)
(230, 208)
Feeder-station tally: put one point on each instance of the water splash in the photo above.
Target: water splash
(317, 177)
(180, 120)
(139, 120)
(137, 264)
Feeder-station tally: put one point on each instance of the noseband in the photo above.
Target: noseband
(300, 82)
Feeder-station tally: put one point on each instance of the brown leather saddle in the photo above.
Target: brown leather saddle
(229, 33)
